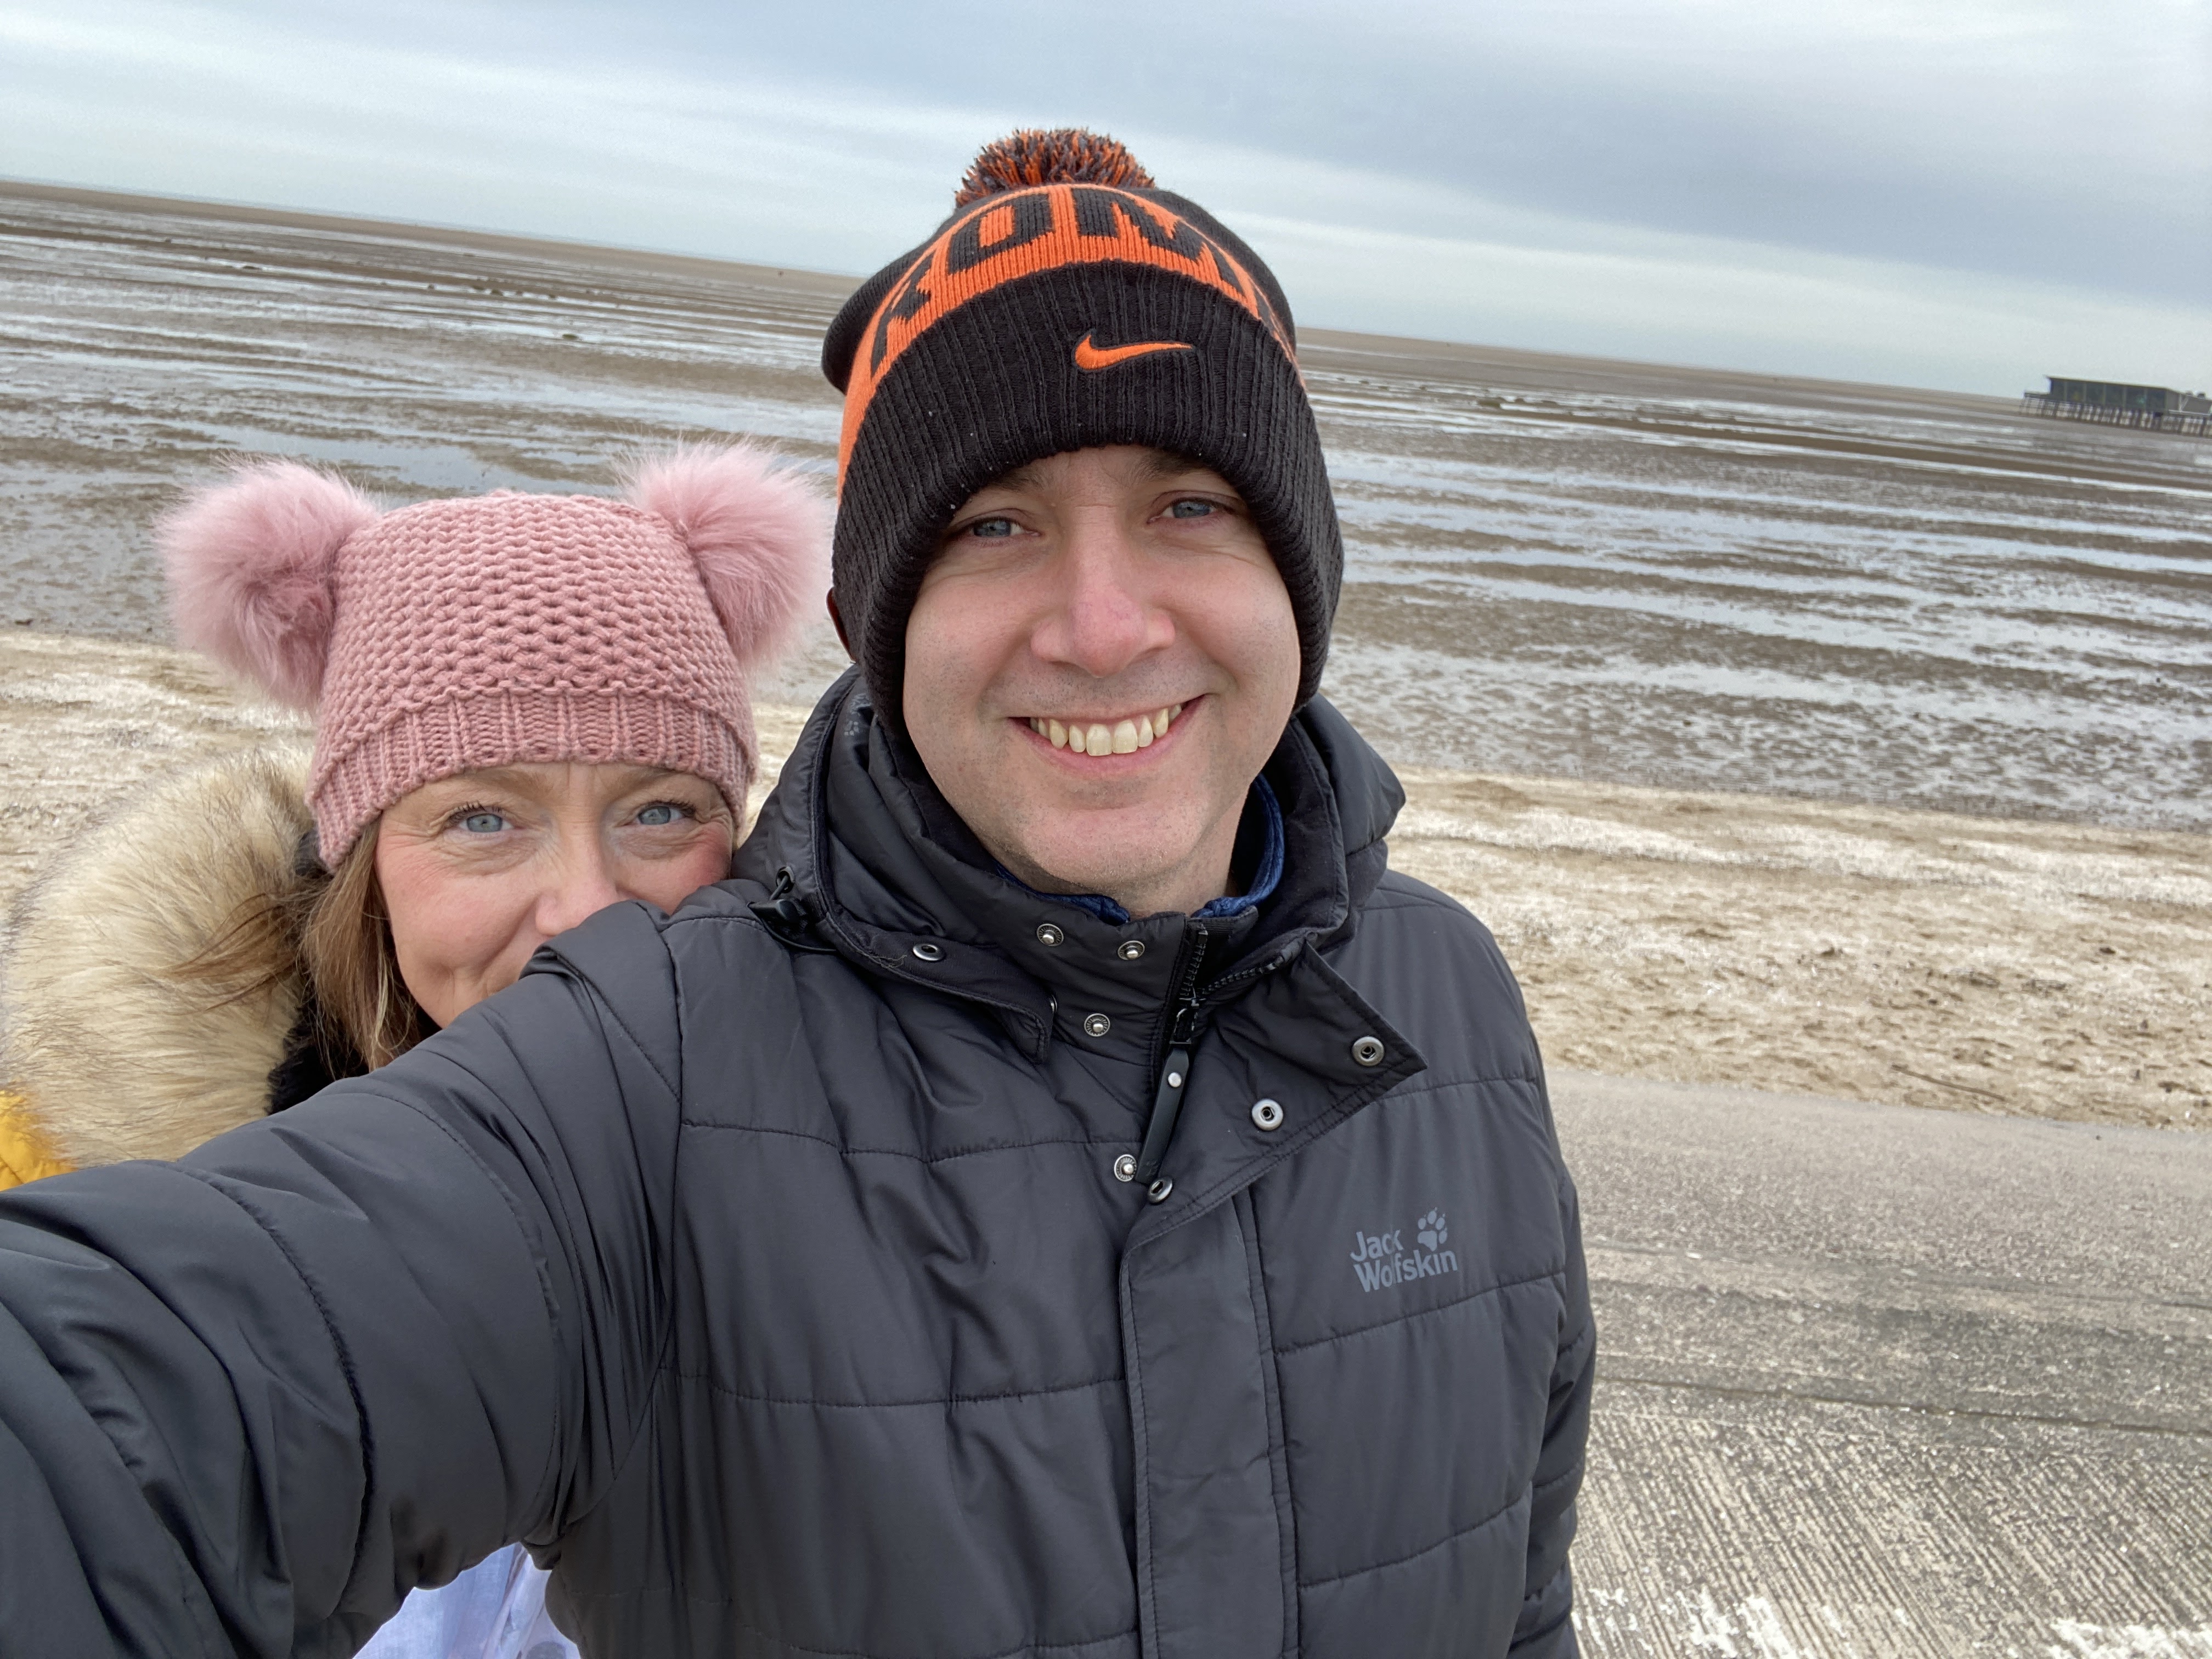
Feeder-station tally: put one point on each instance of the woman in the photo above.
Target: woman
(526, 707)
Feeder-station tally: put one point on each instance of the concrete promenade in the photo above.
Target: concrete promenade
(1882, 1381)
(1873, 1380)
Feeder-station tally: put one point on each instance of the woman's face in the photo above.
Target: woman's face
(480, 869)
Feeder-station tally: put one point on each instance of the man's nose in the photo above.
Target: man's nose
(1107, 614)
(583, 884)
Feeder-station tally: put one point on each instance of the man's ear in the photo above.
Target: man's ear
(838, 622)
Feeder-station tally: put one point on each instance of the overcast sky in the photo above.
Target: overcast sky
(1962, 193)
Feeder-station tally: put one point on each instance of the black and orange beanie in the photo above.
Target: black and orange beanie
(1068, 302)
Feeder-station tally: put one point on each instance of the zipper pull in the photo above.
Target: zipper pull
(1167, 1106)
(1175, 1073)
(784, 912)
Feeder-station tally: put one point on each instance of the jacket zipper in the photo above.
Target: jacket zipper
(1175, 1069)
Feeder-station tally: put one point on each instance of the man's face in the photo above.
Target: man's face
(1088, 594)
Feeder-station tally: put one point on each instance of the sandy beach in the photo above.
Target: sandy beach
(1554, 566)
(1806, 745)
(2046, 969)
(1848, 740)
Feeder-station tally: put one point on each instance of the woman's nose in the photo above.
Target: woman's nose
(1106, 617)
(583, 886)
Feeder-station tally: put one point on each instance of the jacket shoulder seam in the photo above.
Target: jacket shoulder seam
(1398, 891)
(1430, 1085)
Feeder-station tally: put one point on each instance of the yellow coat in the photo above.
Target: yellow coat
(24, 1154)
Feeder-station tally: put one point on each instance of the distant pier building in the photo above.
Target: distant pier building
(2160, 408)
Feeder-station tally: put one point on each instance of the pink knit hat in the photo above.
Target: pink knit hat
(495, 630)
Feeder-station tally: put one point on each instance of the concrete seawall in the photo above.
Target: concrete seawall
(1878, 1380)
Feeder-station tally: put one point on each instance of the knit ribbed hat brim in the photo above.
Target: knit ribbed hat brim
(351, 787)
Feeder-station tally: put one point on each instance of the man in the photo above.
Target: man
(1066, 1199)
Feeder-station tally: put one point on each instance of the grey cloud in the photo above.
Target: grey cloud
(2074, 145)
(2067, 141)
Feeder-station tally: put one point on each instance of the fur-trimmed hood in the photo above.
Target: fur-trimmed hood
(115, 1055)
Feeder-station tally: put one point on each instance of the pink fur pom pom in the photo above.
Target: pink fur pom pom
(250, 564)
(759, 533)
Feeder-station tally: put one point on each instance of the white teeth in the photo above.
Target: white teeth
(1124, 736)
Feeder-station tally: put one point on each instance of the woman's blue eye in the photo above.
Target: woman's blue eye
(483, 823)
(659, 812)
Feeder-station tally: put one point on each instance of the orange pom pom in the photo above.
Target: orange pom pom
(1065, 155)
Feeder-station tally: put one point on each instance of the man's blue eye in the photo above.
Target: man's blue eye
(992, 527)
(484, 824)
(659, 812)
(1190, 509)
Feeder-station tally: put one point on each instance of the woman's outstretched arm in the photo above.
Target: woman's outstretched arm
(249, 1399)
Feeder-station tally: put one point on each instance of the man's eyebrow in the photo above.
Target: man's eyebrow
(1022, 477)
(1159, 464)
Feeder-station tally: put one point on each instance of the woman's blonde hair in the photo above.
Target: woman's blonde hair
(328, 929)
(353, 967)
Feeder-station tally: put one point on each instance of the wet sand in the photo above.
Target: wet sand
(1674, 662)
(2046, 969)
(1555, 566)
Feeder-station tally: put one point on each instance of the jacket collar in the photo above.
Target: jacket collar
(894, 880)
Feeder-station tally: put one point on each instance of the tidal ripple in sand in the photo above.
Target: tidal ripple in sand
(1556, 566)
(1926, 601)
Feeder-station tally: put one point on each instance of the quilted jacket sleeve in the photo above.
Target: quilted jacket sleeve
(1546, 1626)
(249, 1399)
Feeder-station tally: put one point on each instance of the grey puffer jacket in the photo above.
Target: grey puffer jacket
(767, 1269)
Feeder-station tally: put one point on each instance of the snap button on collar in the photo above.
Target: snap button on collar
(1159, 1191)
(1096, 1026)
(1367, 1050)
(1048, 933)
(1267, 1114)
(1130, 949)
(925, 951)
(1124, 1167)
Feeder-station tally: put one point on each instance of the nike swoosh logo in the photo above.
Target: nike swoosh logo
(1088, 356)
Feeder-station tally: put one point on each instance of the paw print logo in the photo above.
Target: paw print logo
(1431, 1233)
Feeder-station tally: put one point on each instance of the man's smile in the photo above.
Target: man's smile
(1123, 735)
